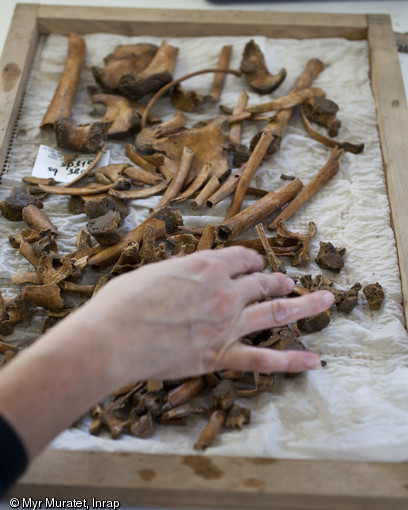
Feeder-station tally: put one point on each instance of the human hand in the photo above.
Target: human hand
(185, 317)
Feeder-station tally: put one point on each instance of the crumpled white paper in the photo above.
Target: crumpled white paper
(357, 407)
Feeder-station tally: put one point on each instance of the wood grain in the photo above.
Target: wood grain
(15, 66)
(201, 481)
(181, 22)
(389, 93)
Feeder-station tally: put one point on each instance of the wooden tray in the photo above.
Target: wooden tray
(205, 481)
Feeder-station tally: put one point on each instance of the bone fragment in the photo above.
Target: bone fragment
(319, 180)
(62, 100)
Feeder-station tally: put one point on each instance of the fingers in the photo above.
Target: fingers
(247, 359)
(238, 260)
(258, 286)
(279, 312)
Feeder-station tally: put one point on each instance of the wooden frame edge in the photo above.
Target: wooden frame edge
(216, 482)
(151, 479)
(392, 115)
(172, 22)
(15, 65)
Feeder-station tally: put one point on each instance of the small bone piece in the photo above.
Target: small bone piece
(104, 228)
(186, 100)
(226, 188)
(185, 391)
(196, 184)
(347, 300)
(207, 239)
(143, 426)
(171, 126)
(329, 257)
(12, 206)
(144, 176)
(224, 394)
(139, 160)
(274, 263)
(236, 129)
(148, 191)
(302, 240)
(323, 111)
(315, 322)
(46, 296)
(123, 118)
(183, 411)
(210, 432)
(87, 138)
(237, 416)
(329, 142)
(254, 67)
(209, 189)
(374, 295)
(36, 219)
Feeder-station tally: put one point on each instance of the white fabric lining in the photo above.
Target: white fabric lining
(356, 408)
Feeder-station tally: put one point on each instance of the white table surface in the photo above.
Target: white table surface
(397, 9)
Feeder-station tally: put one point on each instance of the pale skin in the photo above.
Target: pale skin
(172, 319)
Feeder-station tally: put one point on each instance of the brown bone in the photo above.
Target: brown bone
(254, 67)
(257, 211)
(62, 100)
(124, 119)
(319, 180)
(158, 73)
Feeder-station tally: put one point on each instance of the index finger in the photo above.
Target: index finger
(239, 260)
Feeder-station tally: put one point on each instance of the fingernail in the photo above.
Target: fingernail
(312, 360)
(328, 298)
(289, 283)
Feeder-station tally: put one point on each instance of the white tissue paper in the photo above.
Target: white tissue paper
(357, 407)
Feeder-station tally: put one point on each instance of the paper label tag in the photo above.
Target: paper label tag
(53, 163)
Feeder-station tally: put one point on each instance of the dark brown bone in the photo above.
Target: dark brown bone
(12, 206)
(374, 295)
(323, 111)
(158, 73)
(86, 138)
(237, 417)
(329, 257)
(104, 228)
(126, 59)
